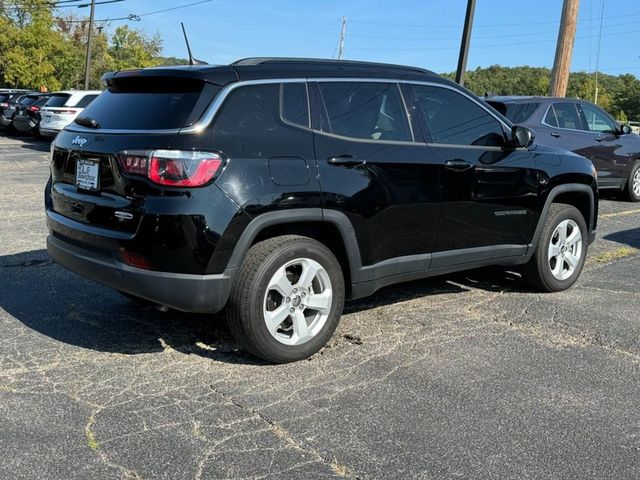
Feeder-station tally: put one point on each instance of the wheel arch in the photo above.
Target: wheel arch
(330, 227)
(578, 195)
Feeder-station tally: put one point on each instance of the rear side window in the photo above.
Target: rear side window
(516, 112)
(365, 110)
(294, 105)
(86, 100)
(563, 115)
(150, 103)
(57, 100)
(451, 118)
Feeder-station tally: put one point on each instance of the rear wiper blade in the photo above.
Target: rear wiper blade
(87, 122)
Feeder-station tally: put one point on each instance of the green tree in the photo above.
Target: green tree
(132, 49)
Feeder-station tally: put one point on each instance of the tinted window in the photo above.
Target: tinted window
(28, 100)
(4, 97)
(150, 103)
(367, 110)
(41, 101)
(452, 118)
(293, 103)
(596, 119)
(57, 100)
(563, 115)
(516, 112)
(86, 100)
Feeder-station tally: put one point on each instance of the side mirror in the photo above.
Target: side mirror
(521, 137)
(625, 129)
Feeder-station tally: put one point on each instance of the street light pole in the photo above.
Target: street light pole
(87, 65)
(464, 44)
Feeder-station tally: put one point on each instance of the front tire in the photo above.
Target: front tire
(631, 189)
(287, 299)
(561, 251)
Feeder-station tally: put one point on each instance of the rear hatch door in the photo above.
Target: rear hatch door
(133, 113)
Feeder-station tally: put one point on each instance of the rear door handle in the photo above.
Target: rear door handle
(555, 134)
(346, 160)
(598, 138)
(458, 165)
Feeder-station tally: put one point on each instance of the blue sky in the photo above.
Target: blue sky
(424, 33)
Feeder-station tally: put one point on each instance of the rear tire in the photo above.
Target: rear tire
(631, 190)
(287, 299)
(559, 257)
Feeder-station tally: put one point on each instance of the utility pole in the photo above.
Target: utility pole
(87, 65)
(595, 97)
(466, 40)
(343, 34)
(564, 49)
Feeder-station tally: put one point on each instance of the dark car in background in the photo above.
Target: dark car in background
(8, 102)
(585, 129)
(278, 188)
(27, 116)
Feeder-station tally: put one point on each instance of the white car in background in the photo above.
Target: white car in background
(62, 108)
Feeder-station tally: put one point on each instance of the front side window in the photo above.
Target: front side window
(596, 119)
(451, 118)
(365, 110)
(563, 115)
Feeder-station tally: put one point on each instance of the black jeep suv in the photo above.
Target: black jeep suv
(277, 188)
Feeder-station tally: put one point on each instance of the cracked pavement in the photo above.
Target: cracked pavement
(470, 375)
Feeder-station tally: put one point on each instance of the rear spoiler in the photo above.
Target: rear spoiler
(219, 75)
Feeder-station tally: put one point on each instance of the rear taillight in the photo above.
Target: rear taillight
(4, 105)
(173, 168)
(33, 108)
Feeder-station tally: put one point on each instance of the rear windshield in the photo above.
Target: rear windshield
(150, 103)
(516, 112)
(4, 97)
(29, 100)
(58, 100)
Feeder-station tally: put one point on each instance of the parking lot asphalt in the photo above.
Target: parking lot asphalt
(470, 375)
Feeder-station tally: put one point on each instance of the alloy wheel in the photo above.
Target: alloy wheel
(565, 249)
(297, 302)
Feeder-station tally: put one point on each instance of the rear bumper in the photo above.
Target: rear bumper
(184, 292)
(5, 122)
(24, 124)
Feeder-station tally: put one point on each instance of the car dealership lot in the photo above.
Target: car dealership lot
(470, 375)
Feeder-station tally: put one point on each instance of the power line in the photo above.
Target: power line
(503, 25)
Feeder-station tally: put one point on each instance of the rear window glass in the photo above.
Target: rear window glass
(86, 100)
(28, 100)
(57, 100)
(41, 101)
(4, 97)
(516, 112)
(563, 115)
(148, 103)
(294, 106)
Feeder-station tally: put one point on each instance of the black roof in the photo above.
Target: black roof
(264, 67)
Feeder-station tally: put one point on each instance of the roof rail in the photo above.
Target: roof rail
(252, 61)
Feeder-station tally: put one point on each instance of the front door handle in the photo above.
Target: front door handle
(555, 134)
(598, 138)
(346, 160)
(458, 165)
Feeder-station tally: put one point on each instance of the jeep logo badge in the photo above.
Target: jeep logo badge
(79, 141)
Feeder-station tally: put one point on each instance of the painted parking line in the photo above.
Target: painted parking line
(619, 214)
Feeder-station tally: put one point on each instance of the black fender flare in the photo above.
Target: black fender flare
(555, 191)
(283, 217)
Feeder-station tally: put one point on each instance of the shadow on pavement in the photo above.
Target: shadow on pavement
(68, 308)
(629, 237)
(30, 143)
